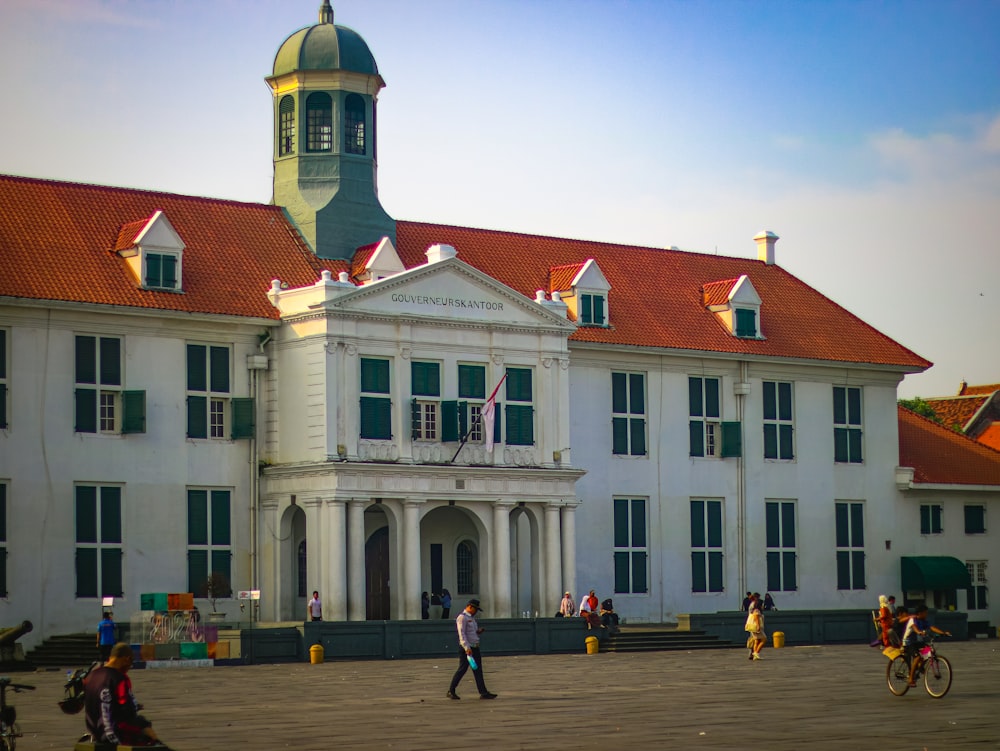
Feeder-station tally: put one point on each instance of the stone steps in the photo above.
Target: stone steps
(663, 641)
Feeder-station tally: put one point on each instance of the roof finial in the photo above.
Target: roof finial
(326, 12)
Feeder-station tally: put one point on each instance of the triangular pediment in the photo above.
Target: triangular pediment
(159, 234)
(744, 293)
(450, 290)
(591, 278)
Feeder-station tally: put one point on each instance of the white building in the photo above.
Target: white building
(280, 394)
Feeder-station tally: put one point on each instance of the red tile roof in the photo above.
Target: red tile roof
(991, 436)
(561, 277)
(128, 233)
(942, 456)
(956, 411)
(57, 240)
(656, 296)
(361, 258)
(967, 390)
(717, 293)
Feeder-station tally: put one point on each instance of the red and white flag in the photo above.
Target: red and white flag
(488, 415)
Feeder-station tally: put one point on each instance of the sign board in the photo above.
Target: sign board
(248, 594)
(107, 602)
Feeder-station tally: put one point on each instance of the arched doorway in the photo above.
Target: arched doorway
(377, 575)
(292, 565)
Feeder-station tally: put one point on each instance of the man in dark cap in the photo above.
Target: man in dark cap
(468, 651)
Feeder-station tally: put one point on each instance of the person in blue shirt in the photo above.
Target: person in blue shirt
(106, 636)
(917, 628)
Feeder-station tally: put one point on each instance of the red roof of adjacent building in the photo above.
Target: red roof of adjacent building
(956, 411)
(656, 296)
(942, 456)
(57, 242)
(967, 390)
(561, 277)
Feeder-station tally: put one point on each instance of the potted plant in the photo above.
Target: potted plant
(216, 588)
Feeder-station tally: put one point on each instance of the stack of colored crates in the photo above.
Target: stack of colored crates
(172, 640)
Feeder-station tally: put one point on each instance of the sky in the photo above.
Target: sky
(865, 134)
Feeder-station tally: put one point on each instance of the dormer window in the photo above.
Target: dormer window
(584, 289)
(736, 304)
(154, 252)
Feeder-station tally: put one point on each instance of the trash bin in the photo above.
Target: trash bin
(316, 654)
(778, 639)
(592, 645)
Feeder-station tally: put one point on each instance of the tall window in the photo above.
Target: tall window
(376, 406)
(976, 595)
(354, 124)
(466, 562)
(703, 408)
(98, 383)
(3, 538)
(286, 125)
(472, 395)
(161, 270)
(930, 519)
(3, 379)
(519, 409)
(847, 424)
(975, 520)
(209, 539)
(850, 532)
(591, 310)
(631, 546)
(98, 541)
(706, 546)
(207, 391)
(426, 388)
(781, 549)
(319, 122)
(628, 407)
(778, 422)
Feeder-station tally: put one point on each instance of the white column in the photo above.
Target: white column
(315, 546)
(569, 549)
(409, 598)
(501, 559)
(335, 607)
(357, 605)
(275, 581)
(553, 558)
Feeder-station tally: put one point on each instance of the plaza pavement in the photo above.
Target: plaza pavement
(816, 698)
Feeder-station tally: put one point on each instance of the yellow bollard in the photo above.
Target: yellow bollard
(778, 639)
(316, 654)
(592, 645)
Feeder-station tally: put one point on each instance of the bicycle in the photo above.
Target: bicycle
(935, 669)
(9, 730)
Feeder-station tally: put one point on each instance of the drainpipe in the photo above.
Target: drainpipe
(742, 389)
(257, 363)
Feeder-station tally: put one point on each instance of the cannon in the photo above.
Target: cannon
(9, 651)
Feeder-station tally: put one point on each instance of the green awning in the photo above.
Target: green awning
(930, 572)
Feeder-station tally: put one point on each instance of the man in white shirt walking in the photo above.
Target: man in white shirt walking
(315, 608)
(468, 651)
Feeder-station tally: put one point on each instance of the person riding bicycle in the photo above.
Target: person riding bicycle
(917, 629)
(111, 709)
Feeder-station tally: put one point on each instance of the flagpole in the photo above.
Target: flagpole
(478, 420)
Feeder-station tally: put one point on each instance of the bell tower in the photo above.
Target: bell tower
(325, 88)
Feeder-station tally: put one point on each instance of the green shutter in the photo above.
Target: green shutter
(374, 376)
(244, 414)
(772, 530)
(197, 422)
(619, 435)
(712, 397)
(839, 406)
(697, 524)
(840, 451)
(715, 571)
(197, 572)
(770, 401)
(638, 530)
(858, 569)
(169, 279)
(376, 418)
(153, 270)
(471, 382)
(636, 394)
(519, 384)
(586, 316)
(86, 359)
(414, 418)
(620, 514)
(785, 442)
(621, 571)
(219, 377)
(774, 570)
(197, 371)
(86, 513)
(695, 401)
(426, 378)
(197, 517)
(86, 572)
(732, 439)
(925, 520)
(790, 583)
(222, 564)
(449, 422)
(638, 428)
(843, 535)
(3, 406)
(714, 509)
(843, 569)
(696, 431)
(699, 582)
(520, 425)
(133, 412)
(746, 322)
(854, 406)
(3, 353)
(3, 514)
(598, 310)
(639, 584)
(111, 361)
(770, 441)
(3, 572)
(785, 401)
(111, 514)
(463, 420)
(619, 393)
(111, 572)
(857, 525)
(497, 432)
(788, 525)
(86, 411)
(221, 533)
(854, 445)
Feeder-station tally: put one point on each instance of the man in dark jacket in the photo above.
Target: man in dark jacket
(112, 712)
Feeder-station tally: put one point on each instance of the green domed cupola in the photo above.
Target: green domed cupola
(325, 85)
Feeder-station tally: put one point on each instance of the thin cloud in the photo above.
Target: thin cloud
(77, 12)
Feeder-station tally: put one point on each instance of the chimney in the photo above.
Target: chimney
(440, 252)
(765, 246)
